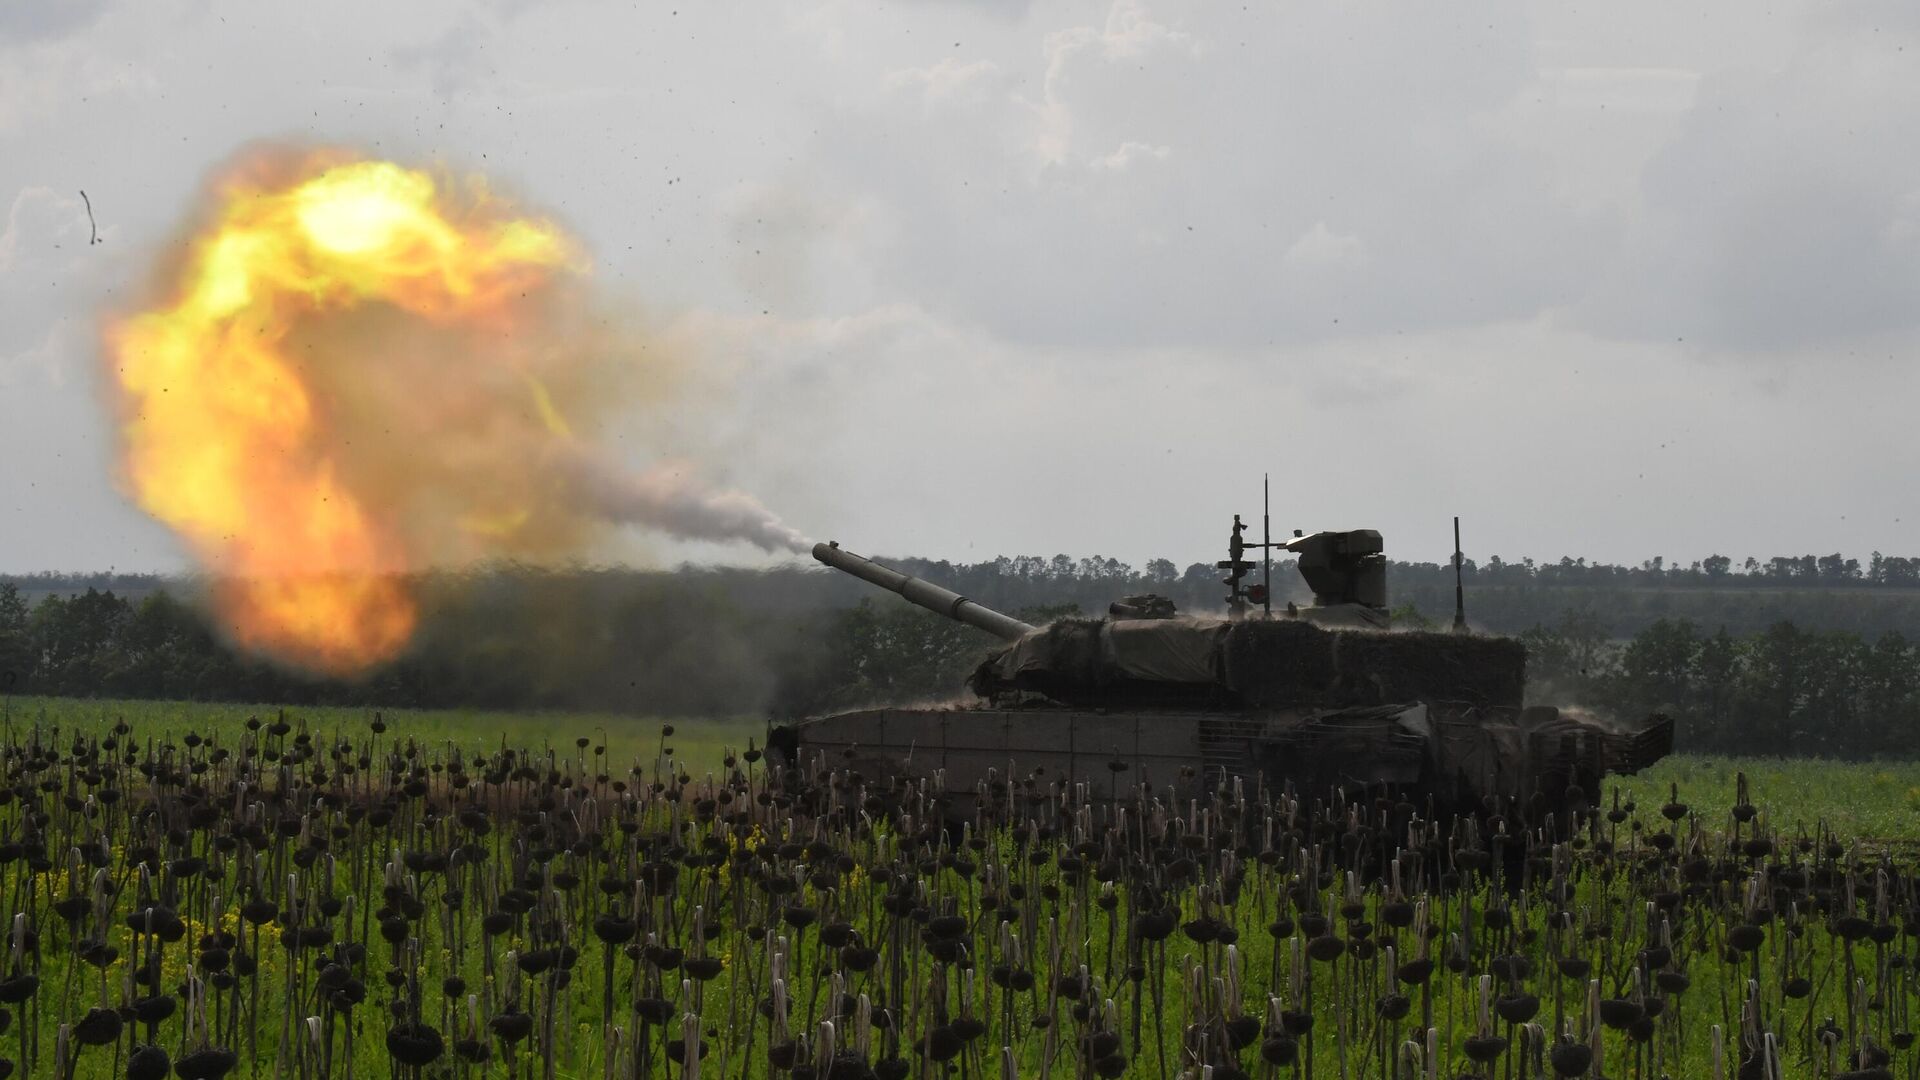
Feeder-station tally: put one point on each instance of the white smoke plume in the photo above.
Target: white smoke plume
(669, 497)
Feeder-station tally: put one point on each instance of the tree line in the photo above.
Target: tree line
(1198, 582)
(1750, 670)
(1786, 689)
(1835, 570)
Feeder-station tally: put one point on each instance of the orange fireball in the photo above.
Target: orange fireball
(227, 438)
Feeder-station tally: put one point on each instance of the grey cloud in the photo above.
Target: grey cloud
(26, 21)
(1868, 16)
(1786, 212)
(462, 54)
(1039, 273)
(46, 264)
(40, 224)
(1004, 8)
(1144, 180)
(453, 60)
(58, 507)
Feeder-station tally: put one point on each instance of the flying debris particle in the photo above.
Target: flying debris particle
(93, 230)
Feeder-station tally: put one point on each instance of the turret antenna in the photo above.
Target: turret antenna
(1459, 590)
(1266, 545)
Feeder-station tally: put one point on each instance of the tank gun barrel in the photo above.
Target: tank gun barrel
(924, 593)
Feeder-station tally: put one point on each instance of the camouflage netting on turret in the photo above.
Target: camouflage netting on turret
(1110, 661)
(1270, 664)
(1296, 663)
(1285, 662)
(1059, 656)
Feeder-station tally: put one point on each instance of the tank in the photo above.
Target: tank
(1319, 699)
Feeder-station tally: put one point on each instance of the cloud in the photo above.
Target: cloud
(26, 22)
(1129, 154)
(1129, 36)
(1004, 247)
(1006, 9)
(1544, 438)
(46, 77)
(58, 508)
(1034, 211)
(40, 221)
(453, 58)
(951, 81)
(1783, 212)
(45, 260)
(795, 246)
(1320, 248)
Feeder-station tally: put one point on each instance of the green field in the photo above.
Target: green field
(1873, 800)
(699, 744)
(1877, 800)
(1007, 953)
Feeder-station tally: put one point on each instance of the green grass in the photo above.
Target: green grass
(699, 744)
(1872, 800)
(1877, 800)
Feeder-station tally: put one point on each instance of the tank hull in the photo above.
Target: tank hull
(1458, 756)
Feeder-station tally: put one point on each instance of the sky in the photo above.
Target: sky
(961, 279)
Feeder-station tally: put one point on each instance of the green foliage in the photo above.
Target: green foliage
(695, 642)
(675, 644)
(1409, 617)
(1781, 690)
(16, 643)
(884, 652)
(1568, 657)
(1041, 614)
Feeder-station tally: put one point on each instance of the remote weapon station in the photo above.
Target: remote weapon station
(1318, 697)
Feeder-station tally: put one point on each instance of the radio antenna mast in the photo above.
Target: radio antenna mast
(1459, 590)
(1266, 545)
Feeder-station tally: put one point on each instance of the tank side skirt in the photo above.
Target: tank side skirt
(1462, 751)
(1468, 749)
(968, 743)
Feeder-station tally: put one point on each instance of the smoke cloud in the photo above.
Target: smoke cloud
(668, 497)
